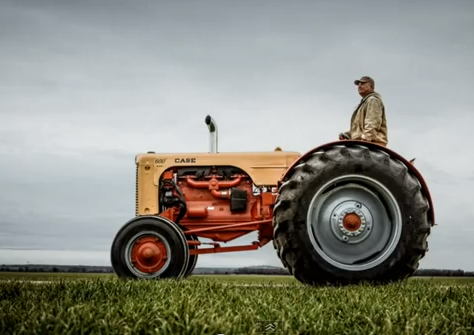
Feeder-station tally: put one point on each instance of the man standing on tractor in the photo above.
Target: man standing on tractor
(368, 122)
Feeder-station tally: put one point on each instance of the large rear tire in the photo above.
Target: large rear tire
(150, 247)
(348, 215)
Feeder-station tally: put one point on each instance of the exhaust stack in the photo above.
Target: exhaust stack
(211, 124)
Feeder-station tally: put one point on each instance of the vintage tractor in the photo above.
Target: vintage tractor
(343, 213)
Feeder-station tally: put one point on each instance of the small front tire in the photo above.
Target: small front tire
(150, 247)
(192, 258)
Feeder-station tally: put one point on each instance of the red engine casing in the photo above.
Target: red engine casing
(208, 204)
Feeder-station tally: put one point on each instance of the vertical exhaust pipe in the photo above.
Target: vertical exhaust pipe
(211, 124)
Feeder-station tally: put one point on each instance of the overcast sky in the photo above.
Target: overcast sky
(85, 85)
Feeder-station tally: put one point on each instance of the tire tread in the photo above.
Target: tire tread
(412, 245)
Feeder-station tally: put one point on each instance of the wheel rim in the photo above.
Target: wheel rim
(147, 254)
(352, 227)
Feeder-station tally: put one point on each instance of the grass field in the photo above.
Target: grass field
(38, 303)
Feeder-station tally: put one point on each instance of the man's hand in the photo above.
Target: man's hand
(344, 136)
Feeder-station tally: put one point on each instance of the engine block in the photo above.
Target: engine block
(205, 196)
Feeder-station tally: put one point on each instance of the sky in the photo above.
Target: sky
(86, 85)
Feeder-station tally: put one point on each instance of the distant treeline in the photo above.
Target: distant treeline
(263, 270)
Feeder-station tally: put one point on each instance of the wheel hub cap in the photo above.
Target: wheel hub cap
(352, 221)
(147, 254)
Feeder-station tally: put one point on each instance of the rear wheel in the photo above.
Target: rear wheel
(150, 248)
(351, 214)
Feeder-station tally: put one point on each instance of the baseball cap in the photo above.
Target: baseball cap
(364, 79)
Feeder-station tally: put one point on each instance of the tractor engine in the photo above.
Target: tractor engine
(201, 197)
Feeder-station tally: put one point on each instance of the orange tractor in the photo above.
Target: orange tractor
(344, 212)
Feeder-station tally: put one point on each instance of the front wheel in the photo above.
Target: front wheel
(150, 248)
(192, 258)
(351, 214)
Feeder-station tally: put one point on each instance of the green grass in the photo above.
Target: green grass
(265, 279)
(52, 275)
(213, 304)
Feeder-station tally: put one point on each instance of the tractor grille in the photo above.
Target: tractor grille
(136, 190)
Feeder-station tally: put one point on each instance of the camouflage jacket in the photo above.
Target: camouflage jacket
(368, 122)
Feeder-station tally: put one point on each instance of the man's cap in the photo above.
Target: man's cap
(364, 79)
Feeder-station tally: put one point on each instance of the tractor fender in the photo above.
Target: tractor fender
(393, 154)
